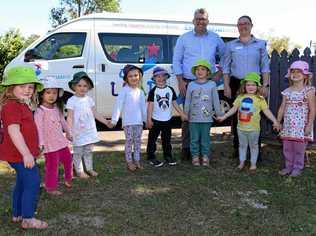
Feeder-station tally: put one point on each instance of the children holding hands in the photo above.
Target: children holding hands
(50, 122)
(161, 101)
(81, 115)
(131, 104)
(249, 104)
(297, 111)
(200, 103)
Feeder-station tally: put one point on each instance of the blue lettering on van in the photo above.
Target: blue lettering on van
(113, 89)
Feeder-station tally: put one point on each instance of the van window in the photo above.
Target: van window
(61, 45)
(134, 48)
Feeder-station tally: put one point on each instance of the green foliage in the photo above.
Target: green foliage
(11, 43)
(281, 43)
(70, 9)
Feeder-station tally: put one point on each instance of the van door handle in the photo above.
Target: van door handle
(77, 66)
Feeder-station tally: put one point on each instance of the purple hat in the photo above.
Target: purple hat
(160, 71)
(300, 65)
(128, 68)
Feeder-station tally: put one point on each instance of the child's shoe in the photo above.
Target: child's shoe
(170, 161)
(54, 193)
(205, 161)
(68, 184)
(241, 165)
(92, 173)
(196, 161)
(138, 165)
(284, 172)
(83, 175)
(155, 163)
(33, 224)
(295, 173)
(131, 166)
(253, 168)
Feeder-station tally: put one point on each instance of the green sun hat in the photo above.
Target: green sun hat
(20, 75)
(252, 76)
(203, 63)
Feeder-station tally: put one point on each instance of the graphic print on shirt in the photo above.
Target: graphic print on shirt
(246, 110)
(163, 102)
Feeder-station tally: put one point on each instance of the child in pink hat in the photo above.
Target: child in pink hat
(297, 112)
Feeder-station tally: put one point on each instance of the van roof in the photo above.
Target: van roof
(124, 16)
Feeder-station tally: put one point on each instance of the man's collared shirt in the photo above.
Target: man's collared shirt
(241, 58)
(191, 47)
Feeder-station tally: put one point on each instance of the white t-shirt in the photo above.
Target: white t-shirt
(131, 103)
(84, 129)
(162, 99)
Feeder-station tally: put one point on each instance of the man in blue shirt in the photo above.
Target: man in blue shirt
(243, 55)
(199, 43)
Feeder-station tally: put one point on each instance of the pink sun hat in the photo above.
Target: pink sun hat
(300, 65)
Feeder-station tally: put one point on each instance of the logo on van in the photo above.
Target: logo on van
(38, 69)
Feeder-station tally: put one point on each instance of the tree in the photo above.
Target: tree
(70, 9)
(280, 44)
(11, 44)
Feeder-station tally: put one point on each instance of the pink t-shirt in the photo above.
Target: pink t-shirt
(50, 125)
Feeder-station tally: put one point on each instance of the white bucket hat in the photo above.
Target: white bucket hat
(51, 82)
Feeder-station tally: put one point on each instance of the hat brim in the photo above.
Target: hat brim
(289, 72)
(257, 82)
(73, 82)
(38, 86)
(162, 73)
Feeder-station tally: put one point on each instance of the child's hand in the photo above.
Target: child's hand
(184, 117)
(220, 118)
(276, 126)
(28, 161)
(308, 129)
(149, 124)
(69, 137)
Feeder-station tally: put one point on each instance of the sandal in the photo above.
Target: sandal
(83, 175)
(138, 165)
(34, 224)
(196, 161)
(241, 166)
(131, 166)
(17, 219)
(92, 173)
(54, 193)
(68, 184)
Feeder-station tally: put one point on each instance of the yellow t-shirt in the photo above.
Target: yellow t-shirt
(249, 107)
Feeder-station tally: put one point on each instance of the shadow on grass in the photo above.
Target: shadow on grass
(179, 200)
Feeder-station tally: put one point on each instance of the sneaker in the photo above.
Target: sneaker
(171, 161)
(155, 163)
(205, 161)
(295, 173)
(284, 172)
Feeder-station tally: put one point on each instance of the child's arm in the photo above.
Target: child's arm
(39, 121)
(70, 116)
(187, 101)
(231, 112)
(100, 118)
(117, 108)
(216, 103)
(268, 113)
(311, 114)
(65, 127)
(184, 116)
(281, 110)
(19, 142)
(143, 107)
(150, 108)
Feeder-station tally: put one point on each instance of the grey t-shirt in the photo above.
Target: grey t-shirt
(202, 101)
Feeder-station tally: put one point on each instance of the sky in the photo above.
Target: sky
(278, 18)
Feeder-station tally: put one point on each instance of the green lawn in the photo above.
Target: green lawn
(179, 200)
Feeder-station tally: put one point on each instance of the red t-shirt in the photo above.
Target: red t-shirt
(14, 112)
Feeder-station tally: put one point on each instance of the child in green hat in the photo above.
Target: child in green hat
(20, 146)
(249, 104)
(201, 102)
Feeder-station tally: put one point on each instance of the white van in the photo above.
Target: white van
(101, 44)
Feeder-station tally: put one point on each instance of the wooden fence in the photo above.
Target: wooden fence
(279, 65)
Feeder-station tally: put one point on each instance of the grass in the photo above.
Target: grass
(179, 200)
